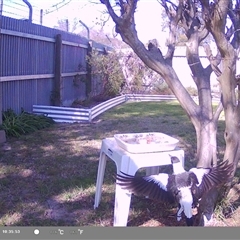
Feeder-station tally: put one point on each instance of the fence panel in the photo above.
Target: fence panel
(73, 90)
(149, 97)
(27, 66)
(10, 89)
(102, 107)
(63, 114)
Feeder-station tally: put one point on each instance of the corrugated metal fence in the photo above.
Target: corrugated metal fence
(28, 54)
(64, 114)
(71, 115)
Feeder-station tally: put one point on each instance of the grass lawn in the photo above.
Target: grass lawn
(48, 178)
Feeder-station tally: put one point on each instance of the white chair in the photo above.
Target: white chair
(128, 163)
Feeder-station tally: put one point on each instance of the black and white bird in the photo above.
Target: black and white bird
(183, 187)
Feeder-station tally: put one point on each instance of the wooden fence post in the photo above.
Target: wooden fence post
(57, 89)
(89, 71)
(2, 132)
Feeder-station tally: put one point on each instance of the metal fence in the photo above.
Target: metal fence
(36, 60)
(71, 115)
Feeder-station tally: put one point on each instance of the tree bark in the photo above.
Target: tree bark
(203, 118)
(215, 19)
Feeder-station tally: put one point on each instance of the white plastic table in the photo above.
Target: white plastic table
(128, 163)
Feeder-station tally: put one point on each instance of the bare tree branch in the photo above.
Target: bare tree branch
(218, 111)
(234, 15)
(174, 14)
(111, 12)
(214, 61)
(164, 3)
(230, 31)
(203, 33)
(168, 8)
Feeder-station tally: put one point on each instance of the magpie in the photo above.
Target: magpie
(183, 187)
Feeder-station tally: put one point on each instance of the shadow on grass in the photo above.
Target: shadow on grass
(148, 212)
(70, 213)
(55, 201)
(48, 178)
(39, 169)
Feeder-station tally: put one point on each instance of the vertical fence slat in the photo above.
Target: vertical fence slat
(57, 91)
(89, 71)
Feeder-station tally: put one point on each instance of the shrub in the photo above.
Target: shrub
(18, 124)
(192, 91)
(161, 88)
(108, 68)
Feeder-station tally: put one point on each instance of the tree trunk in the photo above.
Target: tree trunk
(204, 120)
(206, 149)
(231, 105)
(206, 143)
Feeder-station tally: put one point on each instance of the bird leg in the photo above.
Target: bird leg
(188, 213)
(179, 212)
(189, 221)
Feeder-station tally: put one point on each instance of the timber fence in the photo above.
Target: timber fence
(43, 66)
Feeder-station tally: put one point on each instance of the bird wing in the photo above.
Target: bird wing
(153, 186)
(210, 177)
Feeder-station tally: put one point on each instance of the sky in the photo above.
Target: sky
(147, 17)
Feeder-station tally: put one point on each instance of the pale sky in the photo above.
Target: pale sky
(147, 17)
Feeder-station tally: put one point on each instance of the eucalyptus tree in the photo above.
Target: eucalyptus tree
(197, 19)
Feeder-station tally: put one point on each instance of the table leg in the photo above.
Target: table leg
(122, 200)
(182, 159)
(121, 208)
(100, 176)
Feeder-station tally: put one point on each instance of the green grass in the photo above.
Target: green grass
(145, 109)
(47, 178)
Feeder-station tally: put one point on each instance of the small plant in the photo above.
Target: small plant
(107, 67)
(17, 124)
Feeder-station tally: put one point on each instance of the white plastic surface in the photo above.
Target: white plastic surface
(128, 163)
(146, 142)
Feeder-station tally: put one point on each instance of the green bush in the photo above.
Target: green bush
(108, 68)
(16, 125)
